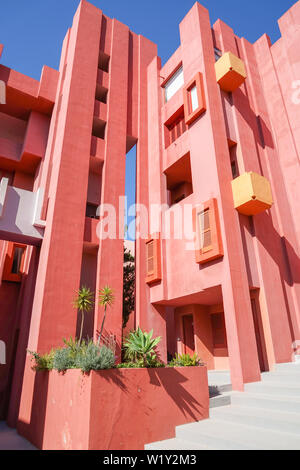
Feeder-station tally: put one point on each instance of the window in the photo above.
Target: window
(208, 241)
(103, 63)
(194, 99)
(153, 259)
(179, 180)
(205, 230)
(14, 262)
(218, 330)
(218, 53)
(174, 128)
(17, 259)
(174, 84)
(91, 211)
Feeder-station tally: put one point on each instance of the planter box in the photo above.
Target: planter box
(112, 409)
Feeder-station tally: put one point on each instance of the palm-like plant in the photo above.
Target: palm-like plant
(106, 299)
(140, 345)
(83, 302)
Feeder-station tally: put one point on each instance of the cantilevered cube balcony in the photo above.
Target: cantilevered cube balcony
(251, 193)
(20, 214)
(230, 72)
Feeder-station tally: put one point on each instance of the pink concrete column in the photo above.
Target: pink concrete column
(195, 28)
(110, 254)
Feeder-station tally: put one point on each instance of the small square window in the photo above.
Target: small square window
(194, 99)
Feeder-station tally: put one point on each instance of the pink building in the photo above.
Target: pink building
(217, 134)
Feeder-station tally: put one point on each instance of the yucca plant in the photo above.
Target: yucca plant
(84, 302)
(185, 360)
(139, 346)
(106, 299)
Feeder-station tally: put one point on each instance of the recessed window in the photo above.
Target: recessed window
(218, 53)
(179, 180)
(174, 84)
(17, 259)
(103, 62)
(14, 262)
(174, 128)
(91, 211)
(194, 98)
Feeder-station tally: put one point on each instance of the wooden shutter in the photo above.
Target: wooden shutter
(153, 259)
(208, 241)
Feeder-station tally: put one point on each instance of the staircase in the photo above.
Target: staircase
(264, 417)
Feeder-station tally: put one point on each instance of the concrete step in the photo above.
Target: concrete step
(220, 400)
(268, 402)
(224, 435)
(175, 444)
(284, 377)
(266, 419)
(275, 388)
(293, 367)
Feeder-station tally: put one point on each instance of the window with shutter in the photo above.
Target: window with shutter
(208, 241)
(153, 259)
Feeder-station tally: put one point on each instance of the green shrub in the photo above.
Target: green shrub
(140, 347)
(42, 361)
(95, 357)
(64, 359)
(75, 355)
(185, 360)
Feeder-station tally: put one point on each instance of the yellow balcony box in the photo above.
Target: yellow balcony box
(251, 193)
(230, 72)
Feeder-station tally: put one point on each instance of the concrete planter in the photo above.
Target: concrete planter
(112, 409)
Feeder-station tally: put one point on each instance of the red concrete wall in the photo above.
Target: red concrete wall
(68, 410)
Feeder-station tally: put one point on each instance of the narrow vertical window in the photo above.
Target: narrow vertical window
(174, 84)
(208, 241)
(153, 259)
(194, 99)
(14, 262)
(205, 230)
(150, 257)
(17, 259)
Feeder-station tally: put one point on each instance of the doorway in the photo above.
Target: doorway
(188, 334)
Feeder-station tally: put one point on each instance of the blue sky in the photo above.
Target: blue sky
(32, 31)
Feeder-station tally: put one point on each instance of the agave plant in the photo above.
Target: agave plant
(83, 302)
(140, 346)
(106, 299)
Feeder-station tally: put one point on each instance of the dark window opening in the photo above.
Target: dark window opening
(17, 259)
(101, 94)
(218, 53)
(91, 211)
(103, 62)
(179, 180)
(99, 128)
